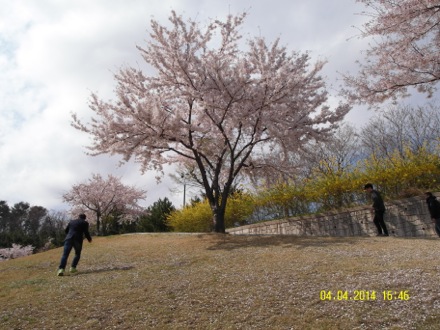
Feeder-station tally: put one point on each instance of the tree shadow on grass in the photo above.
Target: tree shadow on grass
(234, 242)
(104, 269)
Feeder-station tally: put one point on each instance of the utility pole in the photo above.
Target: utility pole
(184, 189)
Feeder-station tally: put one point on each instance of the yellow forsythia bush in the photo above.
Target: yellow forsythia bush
(400, 175)
(198, 218)
(284, 199)
(403, 171)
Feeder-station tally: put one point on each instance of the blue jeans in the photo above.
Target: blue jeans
(68, 245)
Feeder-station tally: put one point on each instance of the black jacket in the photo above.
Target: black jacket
(378, 204)
(76, 229)
(434, 207)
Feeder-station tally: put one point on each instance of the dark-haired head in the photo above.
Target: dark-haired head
(368, 186)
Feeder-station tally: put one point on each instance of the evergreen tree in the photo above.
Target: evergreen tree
(155, 218)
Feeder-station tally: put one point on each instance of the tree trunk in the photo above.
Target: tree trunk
(98, 223)
(218, 218)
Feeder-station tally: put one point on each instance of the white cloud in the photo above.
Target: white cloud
(53, 54)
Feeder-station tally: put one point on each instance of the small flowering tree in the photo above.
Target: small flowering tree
(16, 251)
(104, 197)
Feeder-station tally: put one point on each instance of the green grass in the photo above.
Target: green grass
(172, 281)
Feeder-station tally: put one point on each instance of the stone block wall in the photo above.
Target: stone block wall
(404, 218)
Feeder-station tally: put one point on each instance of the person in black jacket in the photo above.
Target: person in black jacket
(75, 230)
(434, 210)
(379, 210)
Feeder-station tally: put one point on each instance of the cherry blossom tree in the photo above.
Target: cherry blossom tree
(16, 251)
(103, 197)
(405, 52)
(212, 106)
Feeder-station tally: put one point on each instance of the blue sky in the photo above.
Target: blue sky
(53, 54)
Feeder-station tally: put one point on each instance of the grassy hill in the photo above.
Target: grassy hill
(174, 281)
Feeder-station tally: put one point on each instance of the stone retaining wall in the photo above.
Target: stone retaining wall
(404, 218)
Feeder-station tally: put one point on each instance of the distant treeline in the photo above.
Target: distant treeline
(26, 225)
(30, 225)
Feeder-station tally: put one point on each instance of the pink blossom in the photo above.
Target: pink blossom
(16, 251)
(404, 53)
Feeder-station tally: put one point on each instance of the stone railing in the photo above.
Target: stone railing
(404, 218)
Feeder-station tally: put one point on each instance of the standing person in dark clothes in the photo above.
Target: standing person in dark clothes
(379, 210)
(76, 230)
(434, 210)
